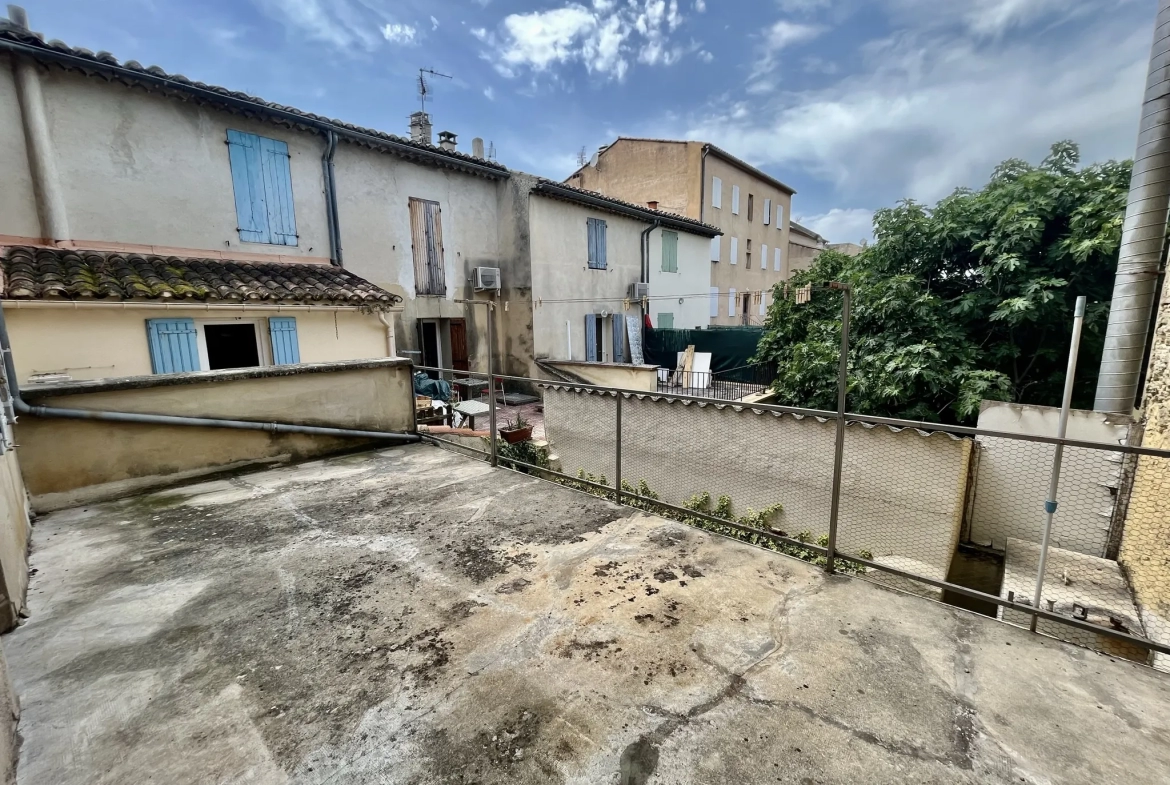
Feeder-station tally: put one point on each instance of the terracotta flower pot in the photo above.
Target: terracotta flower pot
(517, 434)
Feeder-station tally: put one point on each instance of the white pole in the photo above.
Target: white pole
(1061, 428)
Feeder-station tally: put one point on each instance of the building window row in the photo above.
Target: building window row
(717, 203)
(733, 253)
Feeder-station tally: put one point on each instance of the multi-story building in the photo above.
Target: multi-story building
(804, 245)
(707, 184)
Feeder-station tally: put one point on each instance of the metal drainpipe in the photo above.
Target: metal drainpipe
(331, 198)
(645, 248)
(21, 407)
(703, 179)
(1142, 237)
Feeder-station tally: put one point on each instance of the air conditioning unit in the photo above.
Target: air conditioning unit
(487, 278)
(639, 291)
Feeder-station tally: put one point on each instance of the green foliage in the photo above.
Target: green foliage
(966, 301)
(525, 451)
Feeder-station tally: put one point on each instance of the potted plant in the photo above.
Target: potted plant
(519, 430)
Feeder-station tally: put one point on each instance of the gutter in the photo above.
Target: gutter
(573, 195)
(645, 248)
(253, 107)
(331, 199)
(16, 405)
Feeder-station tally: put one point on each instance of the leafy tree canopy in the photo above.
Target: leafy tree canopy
(969, 300)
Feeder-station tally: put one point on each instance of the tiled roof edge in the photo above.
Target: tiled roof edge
(669, 220)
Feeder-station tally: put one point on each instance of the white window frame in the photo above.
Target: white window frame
(716, 248)
(735, 250)
(735, 200)
(714, 294)
(732, 303)
(716, 193)
(767, 211)
(259, 324)
(763, 300)
(764, 257)
(780, 217)
(779, 258)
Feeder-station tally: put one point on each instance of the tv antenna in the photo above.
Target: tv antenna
(491, 152)
(581, 157)
(424, 86)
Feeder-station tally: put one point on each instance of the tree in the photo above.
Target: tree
(969, 300)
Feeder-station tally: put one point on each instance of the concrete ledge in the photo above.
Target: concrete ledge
(623, 375)
(34, 392)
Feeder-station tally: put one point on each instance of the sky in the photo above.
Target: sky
(856, 104)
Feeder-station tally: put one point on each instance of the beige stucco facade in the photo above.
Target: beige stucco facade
(95, 341)
(803, 248)
(682, 178)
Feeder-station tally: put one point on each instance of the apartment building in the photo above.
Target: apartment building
(705, 183)
(804, 246)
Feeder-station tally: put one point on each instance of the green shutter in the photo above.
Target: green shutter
(670, 252)
(665, 321)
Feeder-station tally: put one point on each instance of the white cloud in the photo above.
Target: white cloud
(344, 24)
(434, 23)
(700, 6)
(706, 56)
(489, 93)
(398, 33)
(603, 37)
(841, 225)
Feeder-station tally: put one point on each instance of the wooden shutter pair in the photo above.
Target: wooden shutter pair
(263, 189)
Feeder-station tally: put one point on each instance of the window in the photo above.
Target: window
(731, 302)
(714, 302)
(595, 228)
(665, 321)
(593, 336)
(716, 192)
(748, 256)
(263, 189)
(184, 345)
(619, 338)
(715, 248)
(763, 256)
(779, 258)
(735, 250)
(426, 241)
(670, 252)
(735, 200)
(763, 303)
(767, 211)
(780, 217)
(751, 206)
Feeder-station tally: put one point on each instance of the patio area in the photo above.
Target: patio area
(412, 616)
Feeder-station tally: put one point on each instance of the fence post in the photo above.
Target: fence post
(495, 460)
(617, 483)
(839, 449)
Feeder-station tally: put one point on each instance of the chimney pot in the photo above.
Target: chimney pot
(447, 140)
(18, 17)
(420, 127)
(652, 204)
(477, 147)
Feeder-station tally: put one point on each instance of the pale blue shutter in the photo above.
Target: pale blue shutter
(173, 346)
(286, 350)
(670, 252)
(248, 181)
(666, 321)
(278, 195)
(596, 230)
(590, 338)
(619, 338)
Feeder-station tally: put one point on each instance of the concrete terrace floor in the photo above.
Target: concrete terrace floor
(412, 616)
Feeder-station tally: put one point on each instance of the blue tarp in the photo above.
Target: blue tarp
(438, 389)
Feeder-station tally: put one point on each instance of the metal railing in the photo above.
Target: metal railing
(917, 506)
(732, 384)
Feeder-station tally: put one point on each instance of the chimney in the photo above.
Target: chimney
(18, 17)
(447, 140)
(477, 147)
(652, 204)
(420, 127)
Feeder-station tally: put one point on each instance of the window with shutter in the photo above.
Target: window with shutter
(173, 344)
(619, 338)
(735, 250)
(262, 182)
(763, 256)
(592, 338)
(715, 248)
(735, 200)
(767, 211)
(780, 216)
(714, 302)
(426, 238)
(716, 192)
(731, 302)
(670, 252)
(286, 349)
(751, 206)
(763, 303)
(779, 258)
(595, 229)
(666, 321)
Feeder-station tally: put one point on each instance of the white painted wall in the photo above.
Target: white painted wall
(1012, 483)
(18, 212)
(690, 283)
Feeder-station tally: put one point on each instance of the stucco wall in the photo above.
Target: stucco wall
(18, 211)
(802, 252)
(14, 536)
(101, 342)
(59, 455)
(622, 376)
(902, 492)
(639, 172)
(138, 167)
(1012, 483)
(690, 284)
(566, 287)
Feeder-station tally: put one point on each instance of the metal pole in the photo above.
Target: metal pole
(1062, 426)
(491, 311)
(839, 449)
(617, 483)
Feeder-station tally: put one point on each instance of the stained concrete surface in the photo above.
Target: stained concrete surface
(412, 616)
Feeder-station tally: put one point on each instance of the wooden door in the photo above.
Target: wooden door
(459, 359)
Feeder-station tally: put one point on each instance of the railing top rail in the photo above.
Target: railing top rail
(921, 425)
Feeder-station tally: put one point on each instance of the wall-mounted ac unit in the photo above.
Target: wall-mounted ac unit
(487, 278)
(639, 291)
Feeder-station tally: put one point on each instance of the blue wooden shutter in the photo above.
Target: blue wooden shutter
(619, 338)
(670, 252)
(278, 195)
(248, 182)
(286, 350)
(173, 346)
(590, 338)
(595, 228)
(601, 244)
(591, 238)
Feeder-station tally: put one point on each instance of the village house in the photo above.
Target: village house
(710, 185)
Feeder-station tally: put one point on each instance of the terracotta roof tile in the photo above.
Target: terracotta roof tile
(54, 273)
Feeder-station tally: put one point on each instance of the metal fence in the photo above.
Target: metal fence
(732, 384)
(948, 512)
